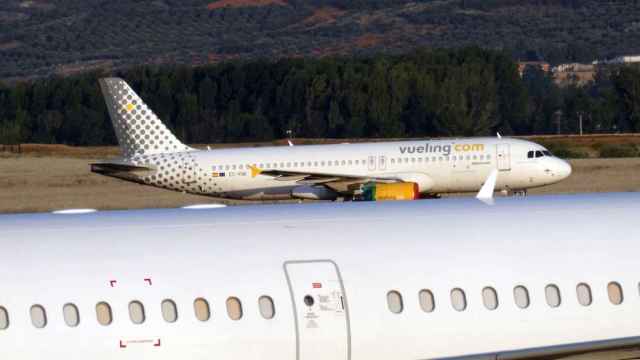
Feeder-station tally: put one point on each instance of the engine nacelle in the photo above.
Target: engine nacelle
(313, 193)
(396, 191)
(425, 183)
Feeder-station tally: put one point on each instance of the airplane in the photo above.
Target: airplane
(152, 155)
(537, 277)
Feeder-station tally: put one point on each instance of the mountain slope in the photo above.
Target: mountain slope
(43, 37)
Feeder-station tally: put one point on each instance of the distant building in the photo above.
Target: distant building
(542, 65)
(573, 74)
(625, 59)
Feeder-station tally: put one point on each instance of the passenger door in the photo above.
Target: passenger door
(320, 309)
(503, 157)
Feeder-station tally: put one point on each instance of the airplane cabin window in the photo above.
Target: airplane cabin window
(4, 318)
(458, 299)
(615, 293)
(267, 309)
(427, 302)
(136, 312)
(201, 309)
(169, 311)
(490, 298)
(234, 308)
(393, 161)
(394, 302)
(552, 294)
(103, 314)
(38, 316)
(583, 292)
(344, 163)
(71, 315)
(521, 297)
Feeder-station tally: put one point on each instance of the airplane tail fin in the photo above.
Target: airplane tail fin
(138, 129)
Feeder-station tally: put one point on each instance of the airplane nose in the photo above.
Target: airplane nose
(564, 169)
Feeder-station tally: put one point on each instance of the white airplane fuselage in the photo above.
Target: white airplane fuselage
(437, 166)
(334, 274)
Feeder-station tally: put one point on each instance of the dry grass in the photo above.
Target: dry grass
(598, 175)
(48, 183)
(43, 183)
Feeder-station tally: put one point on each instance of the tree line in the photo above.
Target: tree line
(426, 93)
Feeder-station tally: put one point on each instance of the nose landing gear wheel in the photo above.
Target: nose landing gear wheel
(521, 193)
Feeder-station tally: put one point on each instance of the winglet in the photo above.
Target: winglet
(499, 136)
(255, 171)
(290, 143)
(486, 192)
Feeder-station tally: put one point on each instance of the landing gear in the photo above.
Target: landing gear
(520, 193)
(512, 192)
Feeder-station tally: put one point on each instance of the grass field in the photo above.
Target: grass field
(36, 182)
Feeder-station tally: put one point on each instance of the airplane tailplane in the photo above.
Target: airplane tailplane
(138, 129)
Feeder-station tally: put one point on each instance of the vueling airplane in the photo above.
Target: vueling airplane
(536, 278)
(152, 155)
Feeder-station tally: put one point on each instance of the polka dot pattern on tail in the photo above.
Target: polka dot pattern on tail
(138, 129)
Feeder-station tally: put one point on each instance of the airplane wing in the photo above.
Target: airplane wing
(343, 183)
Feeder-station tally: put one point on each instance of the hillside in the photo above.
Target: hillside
(44, 37)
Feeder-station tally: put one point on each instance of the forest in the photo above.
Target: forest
(425, 93)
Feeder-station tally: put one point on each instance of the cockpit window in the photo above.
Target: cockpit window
(538, 153)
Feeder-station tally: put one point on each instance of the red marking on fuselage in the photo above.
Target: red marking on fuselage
(148, 280)
(112, 283)
(157, 343)
(122, 345)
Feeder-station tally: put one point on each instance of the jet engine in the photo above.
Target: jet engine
(395, 191)
(313, 193)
